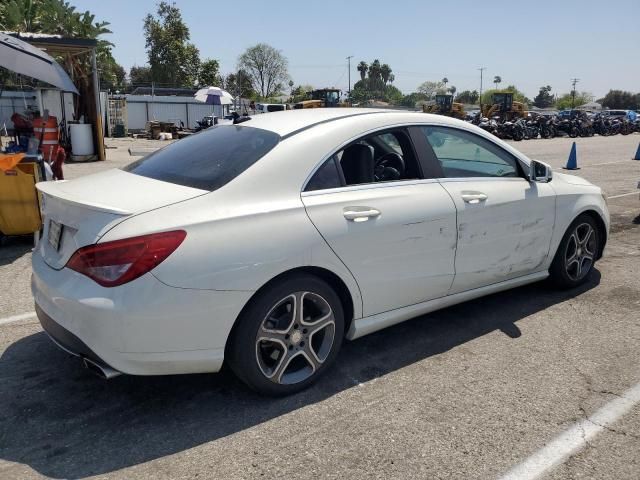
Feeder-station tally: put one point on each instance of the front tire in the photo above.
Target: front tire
(576, 254)
(287, 336)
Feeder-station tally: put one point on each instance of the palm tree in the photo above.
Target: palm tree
(452, 90)
(374, 69)
(375, 78)
(445, 80)
(363, 68)
(385, 73)
(496, 80)
(392, 77)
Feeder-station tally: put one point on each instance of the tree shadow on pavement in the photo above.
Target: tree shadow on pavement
(65, 423)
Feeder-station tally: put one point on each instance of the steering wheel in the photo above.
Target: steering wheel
(389, 166)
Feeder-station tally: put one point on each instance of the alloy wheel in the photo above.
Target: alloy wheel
(580, 252)
(295, 338)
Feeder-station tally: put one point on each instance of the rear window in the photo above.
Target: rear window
(275, 108)
(209, 159)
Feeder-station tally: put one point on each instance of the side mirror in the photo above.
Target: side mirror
(540, 172)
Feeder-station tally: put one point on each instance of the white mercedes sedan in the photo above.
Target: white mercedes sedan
(265, 244)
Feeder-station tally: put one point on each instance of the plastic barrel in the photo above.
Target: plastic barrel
(49, 132)
(81, 139)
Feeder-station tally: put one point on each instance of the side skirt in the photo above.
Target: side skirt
(373, 323)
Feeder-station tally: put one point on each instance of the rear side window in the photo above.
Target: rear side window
(326, 176)
(275, 108)
(209, 159)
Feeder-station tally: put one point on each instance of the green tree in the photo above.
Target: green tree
(392, 95)
(429, 89)
(468, 97)
(139, 76)
(266, 67)
(239, 84)
(544, 99)
(565, 100)
(300, 93)
(452, 90)
(445, 80)
(621, 99)
(209, 74)
(412, 99)
(173, 60)
(112, 75)
(496, 80)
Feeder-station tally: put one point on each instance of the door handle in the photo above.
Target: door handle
(360, 214)
(474, 197)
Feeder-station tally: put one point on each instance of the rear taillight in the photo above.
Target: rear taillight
(113, 263)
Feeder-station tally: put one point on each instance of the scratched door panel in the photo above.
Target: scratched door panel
(401, 257)
(504, 236)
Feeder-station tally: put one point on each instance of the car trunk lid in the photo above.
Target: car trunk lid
(79, 212)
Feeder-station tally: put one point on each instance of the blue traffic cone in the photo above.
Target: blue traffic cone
(572, 163)
(637, 157)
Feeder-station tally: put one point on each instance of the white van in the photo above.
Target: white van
(270, 107)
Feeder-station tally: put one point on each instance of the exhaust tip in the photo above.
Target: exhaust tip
(101, 371)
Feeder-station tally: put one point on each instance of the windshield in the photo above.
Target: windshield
(209, 159)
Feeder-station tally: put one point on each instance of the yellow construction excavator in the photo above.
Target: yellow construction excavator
(444, 105)
(503, 105)
(322, 98)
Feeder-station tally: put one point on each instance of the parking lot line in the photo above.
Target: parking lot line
(17, 318)
(624, 195)
(574, 439)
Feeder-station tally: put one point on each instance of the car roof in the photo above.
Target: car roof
(289, 122)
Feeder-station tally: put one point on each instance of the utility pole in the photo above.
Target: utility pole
(482, 69)
(573, 92)
(349, 73)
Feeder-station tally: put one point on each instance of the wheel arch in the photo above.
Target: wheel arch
(602, 229)
(600, 225)
(331, 278)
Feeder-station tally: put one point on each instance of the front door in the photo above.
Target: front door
(505, 222)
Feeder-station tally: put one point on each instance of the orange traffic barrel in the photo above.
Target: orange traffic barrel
(49, 132)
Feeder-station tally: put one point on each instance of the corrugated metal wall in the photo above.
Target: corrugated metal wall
(143, 108)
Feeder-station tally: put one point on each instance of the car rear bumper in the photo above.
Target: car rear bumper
(142, 328)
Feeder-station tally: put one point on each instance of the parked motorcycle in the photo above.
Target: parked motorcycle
(511, 130)
(530, 128)
(489, 125)
(546, 127)
(567, 126)
(601, 126)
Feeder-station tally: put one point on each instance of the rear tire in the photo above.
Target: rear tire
(576, 254)
(287, 336)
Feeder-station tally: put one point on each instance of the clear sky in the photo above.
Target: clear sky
(528, 44)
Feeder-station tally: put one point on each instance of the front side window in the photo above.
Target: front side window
(464, 154)
(209, 159)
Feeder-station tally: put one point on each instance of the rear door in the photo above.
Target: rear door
(505, 222)
(396, 235)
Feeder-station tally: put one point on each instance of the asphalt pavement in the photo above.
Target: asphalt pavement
(476, 391)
